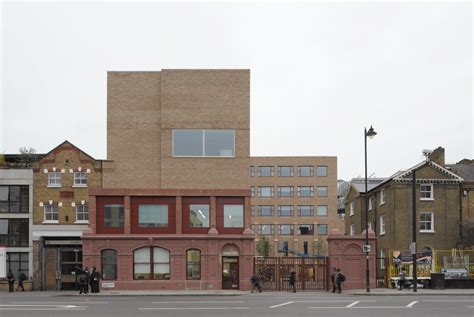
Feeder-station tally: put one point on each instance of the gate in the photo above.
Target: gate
(311, 272)
(382, 273)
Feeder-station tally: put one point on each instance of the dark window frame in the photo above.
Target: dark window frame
(192, 264)
(112, 264)
(23, 202)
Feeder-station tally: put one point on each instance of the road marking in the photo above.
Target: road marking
(330, 301)
(353, 304)
(364, 307)
(412, 304)
(200, 302)
(448, 300)
(64, 303)
(47, 309)
(18, 305)
(279, 305)
(189, 308)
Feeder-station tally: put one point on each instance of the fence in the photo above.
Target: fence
(436, 261)
(311, 273)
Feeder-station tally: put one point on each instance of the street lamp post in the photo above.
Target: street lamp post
(371, 133)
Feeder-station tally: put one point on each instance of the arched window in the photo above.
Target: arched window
(193, 264)
(109, 264)
(151, 263)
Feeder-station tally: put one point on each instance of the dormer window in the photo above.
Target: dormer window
(54, 179)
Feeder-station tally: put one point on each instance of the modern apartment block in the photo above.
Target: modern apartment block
(438, 208)
(62, 180)
(16, 212)
(294, 203)
(174, 210)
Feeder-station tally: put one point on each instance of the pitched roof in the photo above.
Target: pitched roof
(453, 177)
(359, 183)
(67, 142)
(466, 171)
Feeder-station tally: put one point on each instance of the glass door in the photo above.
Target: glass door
(230, 272)
(71, 259)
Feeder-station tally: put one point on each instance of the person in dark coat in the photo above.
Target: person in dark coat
(293, 280)
(88, 278)
(11, 280)
(82, 281)
(339, 279)
(333, 276)
(95, 277)
(256, 283)
(21, 278)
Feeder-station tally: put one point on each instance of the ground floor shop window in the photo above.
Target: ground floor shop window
(16, 262)
(109, 264)
(193, 263)
(151, 264)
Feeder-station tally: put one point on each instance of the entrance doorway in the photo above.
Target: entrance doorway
(230, 272)
(61, 265)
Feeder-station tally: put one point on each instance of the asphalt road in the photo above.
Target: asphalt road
(265, 304)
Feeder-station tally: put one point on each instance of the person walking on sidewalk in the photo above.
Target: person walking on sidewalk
(401, 278)
(333, 276)
(82, 282)
(293, 280)
(256, 283)
(339, 279)
(21, 278)
(11, 281)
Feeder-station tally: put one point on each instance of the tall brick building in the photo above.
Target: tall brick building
(174, 210)
(294, 203)
(62, 179)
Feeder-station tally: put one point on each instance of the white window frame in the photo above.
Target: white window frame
(351, 209)
(55, 183)
(431, 222)
(370, 203)
(382, 225)
(352, 229)
(51, 205)
(431, 191)
(76, 178)
(382, 196)
(82, 205)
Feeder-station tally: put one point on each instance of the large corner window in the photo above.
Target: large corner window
(14, 199)
(14, 232)
(205, 143)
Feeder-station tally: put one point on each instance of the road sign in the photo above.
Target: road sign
(366, 248)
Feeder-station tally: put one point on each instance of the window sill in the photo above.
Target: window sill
(350, 215)
(54, 186)
(382, 234)
(381, 204)
(427, 231)
(80, 186)
(82, 222)
(51, 222)
(427, 199)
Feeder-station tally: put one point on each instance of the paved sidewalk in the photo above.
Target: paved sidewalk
(358, 292)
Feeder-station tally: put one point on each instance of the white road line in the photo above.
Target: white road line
(353, 304)
(412, 304)
(47, 309)
(64, 303)
(279, 305)
(364, 307)
(190, 308)
(198, 302)
(29, 305)
(448, 300)
(330, 301)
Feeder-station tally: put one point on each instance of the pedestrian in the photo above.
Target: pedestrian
(95, 276)
(11, 280)
(401, 278)
(82, 282)
(333, 276)
(256, 283)
(88, 278)
(293, 280)
(21, 278)
(339, 279)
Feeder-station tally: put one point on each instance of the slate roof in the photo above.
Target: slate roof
(466, 171)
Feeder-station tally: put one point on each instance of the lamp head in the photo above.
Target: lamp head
(371, 133)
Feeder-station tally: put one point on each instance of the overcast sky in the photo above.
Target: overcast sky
(320, 73)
